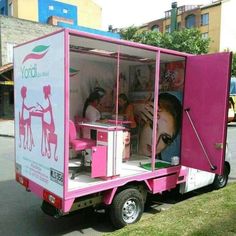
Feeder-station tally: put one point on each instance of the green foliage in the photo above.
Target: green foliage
(148, 37)
(186, 40)
(233, 70)
(190, 41)
(128, 33)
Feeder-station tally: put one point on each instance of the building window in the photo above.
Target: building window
(190, 21)
(205, 35)
(10, 9)
(168, 14)
(179, 25)
(51, 7)
(205, 19)
(155, 28)
(167, 29)
(65, 11)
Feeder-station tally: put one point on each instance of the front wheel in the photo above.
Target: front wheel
(126, 208)
(220, 181)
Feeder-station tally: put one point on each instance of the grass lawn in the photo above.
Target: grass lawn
(212, 213)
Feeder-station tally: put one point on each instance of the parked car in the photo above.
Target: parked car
(232, 100)
(231, 114)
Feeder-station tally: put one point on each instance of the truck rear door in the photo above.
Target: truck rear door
(205, 106)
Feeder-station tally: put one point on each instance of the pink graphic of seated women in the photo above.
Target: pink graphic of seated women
(48, 128)
(25, 123)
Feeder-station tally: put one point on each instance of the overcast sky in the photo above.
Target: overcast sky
(124, 13)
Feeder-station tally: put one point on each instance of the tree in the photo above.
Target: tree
(186, 40)
(233, 69)
(128, 33)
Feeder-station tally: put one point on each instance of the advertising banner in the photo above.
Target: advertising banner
(39, 111)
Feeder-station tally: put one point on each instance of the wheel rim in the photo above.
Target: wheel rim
(131, 210)
(221, 180)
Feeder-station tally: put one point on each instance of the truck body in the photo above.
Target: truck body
(54, 75)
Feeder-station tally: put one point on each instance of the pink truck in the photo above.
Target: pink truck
(176, 137)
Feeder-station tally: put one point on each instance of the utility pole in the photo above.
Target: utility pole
(173, 19)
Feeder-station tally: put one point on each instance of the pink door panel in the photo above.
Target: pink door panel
(99, 161)
(205, 112)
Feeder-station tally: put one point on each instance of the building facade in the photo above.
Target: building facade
(215, 21)
(24, 20)
(14, 31)
(75, 12)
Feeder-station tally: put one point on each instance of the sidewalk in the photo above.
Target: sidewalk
(7, 128)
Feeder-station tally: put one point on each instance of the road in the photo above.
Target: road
(21, 214)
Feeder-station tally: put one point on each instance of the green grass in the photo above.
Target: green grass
(212, 213)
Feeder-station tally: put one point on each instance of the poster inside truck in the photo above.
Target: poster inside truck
(72, 162)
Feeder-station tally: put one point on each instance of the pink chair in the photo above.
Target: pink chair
(79, 120)
(79, 144)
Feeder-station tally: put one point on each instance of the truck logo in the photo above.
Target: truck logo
(38, 52)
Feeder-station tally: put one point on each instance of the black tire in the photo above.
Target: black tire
(49, 209)
(126, 208)
(221, 181)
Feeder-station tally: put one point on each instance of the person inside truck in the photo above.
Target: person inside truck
(91, 110)
(126, 109)
(91, 107)
(168, 124)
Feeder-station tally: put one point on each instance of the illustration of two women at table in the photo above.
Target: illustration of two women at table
(48, 127)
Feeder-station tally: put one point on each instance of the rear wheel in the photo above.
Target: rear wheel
(126, 208)
(220, 181)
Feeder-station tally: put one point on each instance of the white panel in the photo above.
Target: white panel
(10, 52)
(196, 179)
(119, 151)
(228, 29)
(39, 111)
(110, 153)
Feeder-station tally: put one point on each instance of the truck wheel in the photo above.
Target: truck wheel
(220, 181)
(126, 208)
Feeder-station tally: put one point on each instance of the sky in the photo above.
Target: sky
(124, 13)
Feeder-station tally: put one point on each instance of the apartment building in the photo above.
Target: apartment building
(75, 12)
(215, 20)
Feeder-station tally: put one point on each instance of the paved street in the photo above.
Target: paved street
(21, 214)
(20, 211)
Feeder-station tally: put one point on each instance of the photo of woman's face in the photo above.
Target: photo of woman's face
(168, 121)
(165, 132)
(165, 129)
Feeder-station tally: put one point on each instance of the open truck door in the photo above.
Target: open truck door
(205, 108)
